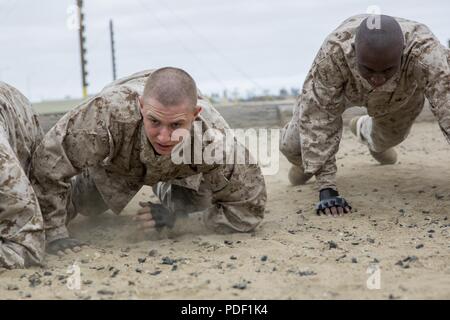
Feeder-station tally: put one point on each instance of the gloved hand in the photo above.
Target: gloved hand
(331, 203)
(64, 246)
(154, 215)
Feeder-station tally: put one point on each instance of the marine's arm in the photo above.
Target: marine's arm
(79, 140)
(320, 126)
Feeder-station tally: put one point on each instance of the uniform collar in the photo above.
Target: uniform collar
(147, 153)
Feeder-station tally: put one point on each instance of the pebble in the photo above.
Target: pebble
(12, 287)
(105, 292)
(332, 244)
(35, 280)
(439, 196)
(167, 260)
(405, 263)
(306, 273)
(241, 285)
(341, 257)
(115, 273)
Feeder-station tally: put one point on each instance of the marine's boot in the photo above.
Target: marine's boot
(388, 156)
(297, 176)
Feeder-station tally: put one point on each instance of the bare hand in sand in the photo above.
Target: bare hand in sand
(332, 204)
(64, 246)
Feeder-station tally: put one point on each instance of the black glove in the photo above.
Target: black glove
(163, 217)
(330, 198)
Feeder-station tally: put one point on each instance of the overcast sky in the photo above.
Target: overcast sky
(245, 44)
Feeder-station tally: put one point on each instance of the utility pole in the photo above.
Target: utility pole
(113, 49)
(82, 37)
(449, 43)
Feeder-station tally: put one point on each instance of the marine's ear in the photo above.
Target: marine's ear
(141, 102)
(198, 109)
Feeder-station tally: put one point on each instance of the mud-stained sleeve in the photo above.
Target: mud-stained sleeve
(320, 119)
(238, 197)
(79, 140)
(22, 238)
(435, 64)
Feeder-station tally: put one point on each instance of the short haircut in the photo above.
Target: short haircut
(171, 87)
(388, 35)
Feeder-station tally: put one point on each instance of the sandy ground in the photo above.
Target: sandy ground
(399, 231)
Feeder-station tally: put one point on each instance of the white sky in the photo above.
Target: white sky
(244, 44)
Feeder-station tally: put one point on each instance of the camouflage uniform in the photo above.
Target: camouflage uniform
(333, 84)
(103, 139)
(21, 225)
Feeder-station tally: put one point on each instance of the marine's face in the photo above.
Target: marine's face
(375, 66)
(161, 121)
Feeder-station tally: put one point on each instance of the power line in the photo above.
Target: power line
(186, 48)
(113, 50)
(7, 13)
(82, 38)
(211, 45)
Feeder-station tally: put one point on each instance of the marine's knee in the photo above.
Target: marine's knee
(293, 156)
(289, 144)
(388, 139)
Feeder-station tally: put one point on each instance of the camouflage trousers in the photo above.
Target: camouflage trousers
(290, 147)
(290, 143)
(382, 133)
(22, 238)
(378, 132)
